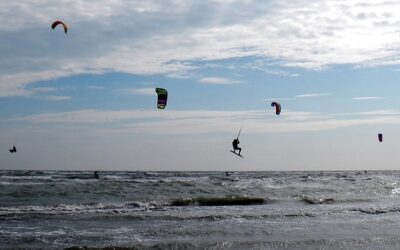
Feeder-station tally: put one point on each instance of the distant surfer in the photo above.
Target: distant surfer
(96, 175)
(235, 144)
(13, 150)
(228, 173)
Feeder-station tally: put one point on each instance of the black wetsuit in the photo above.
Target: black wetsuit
(235, 144)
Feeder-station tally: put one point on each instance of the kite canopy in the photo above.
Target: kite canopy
(277, 107)
(56, 23)
(162, 98)
(380, 137)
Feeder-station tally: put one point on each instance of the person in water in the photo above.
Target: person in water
(228, 173)
(235, 144)
(96, 175)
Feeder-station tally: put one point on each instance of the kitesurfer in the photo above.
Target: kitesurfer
(96, 175)
(13, 150)
(235, 144)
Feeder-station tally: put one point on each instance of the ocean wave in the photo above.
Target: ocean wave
(25, 177)
(377, 210)
(8, 183)
(218, 201)
(315, 200)
(395, 191)
(73, 209)
(329, 200)
(328, 244)
(123, 208)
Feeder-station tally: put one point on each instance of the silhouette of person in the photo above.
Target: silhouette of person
(235, 144)
(13, 150)
(228, 173)
(96, 175)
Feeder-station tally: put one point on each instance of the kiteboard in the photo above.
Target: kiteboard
(236, 153)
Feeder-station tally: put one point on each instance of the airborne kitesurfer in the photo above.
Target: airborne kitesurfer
(235, 144)
(13, 150)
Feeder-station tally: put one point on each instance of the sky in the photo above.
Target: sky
(86, 100)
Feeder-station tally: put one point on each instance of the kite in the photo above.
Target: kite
(162, 98)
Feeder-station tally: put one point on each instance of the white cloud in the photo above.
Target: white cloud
(95, 87)
(203, 121)
(312, 95)
(361, 98)
(140, 91)
(44, 89)
(58, 98)
(217, 80)
(168, 37)
(279, 99)
(385, 112)
(15, 84)
(267, 67)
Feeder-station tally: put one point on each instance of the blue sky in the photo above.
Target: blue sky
(86, 99)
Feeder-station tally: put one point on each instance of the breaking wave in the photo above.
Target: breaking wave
(220, 201)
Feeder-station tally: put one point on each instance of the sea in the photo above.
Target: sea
(199, 210)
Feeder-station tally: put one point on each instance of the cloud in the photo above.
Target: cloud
(384, 112)
(279, 73)
(44, 89)
(127, 122)
(169, 37)
(140, 91)
(95, 87)
(58, 98)
(269, 68)
(217, 80)
(361, 98)
(279, 99)
(312, 95)
(15, 84)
